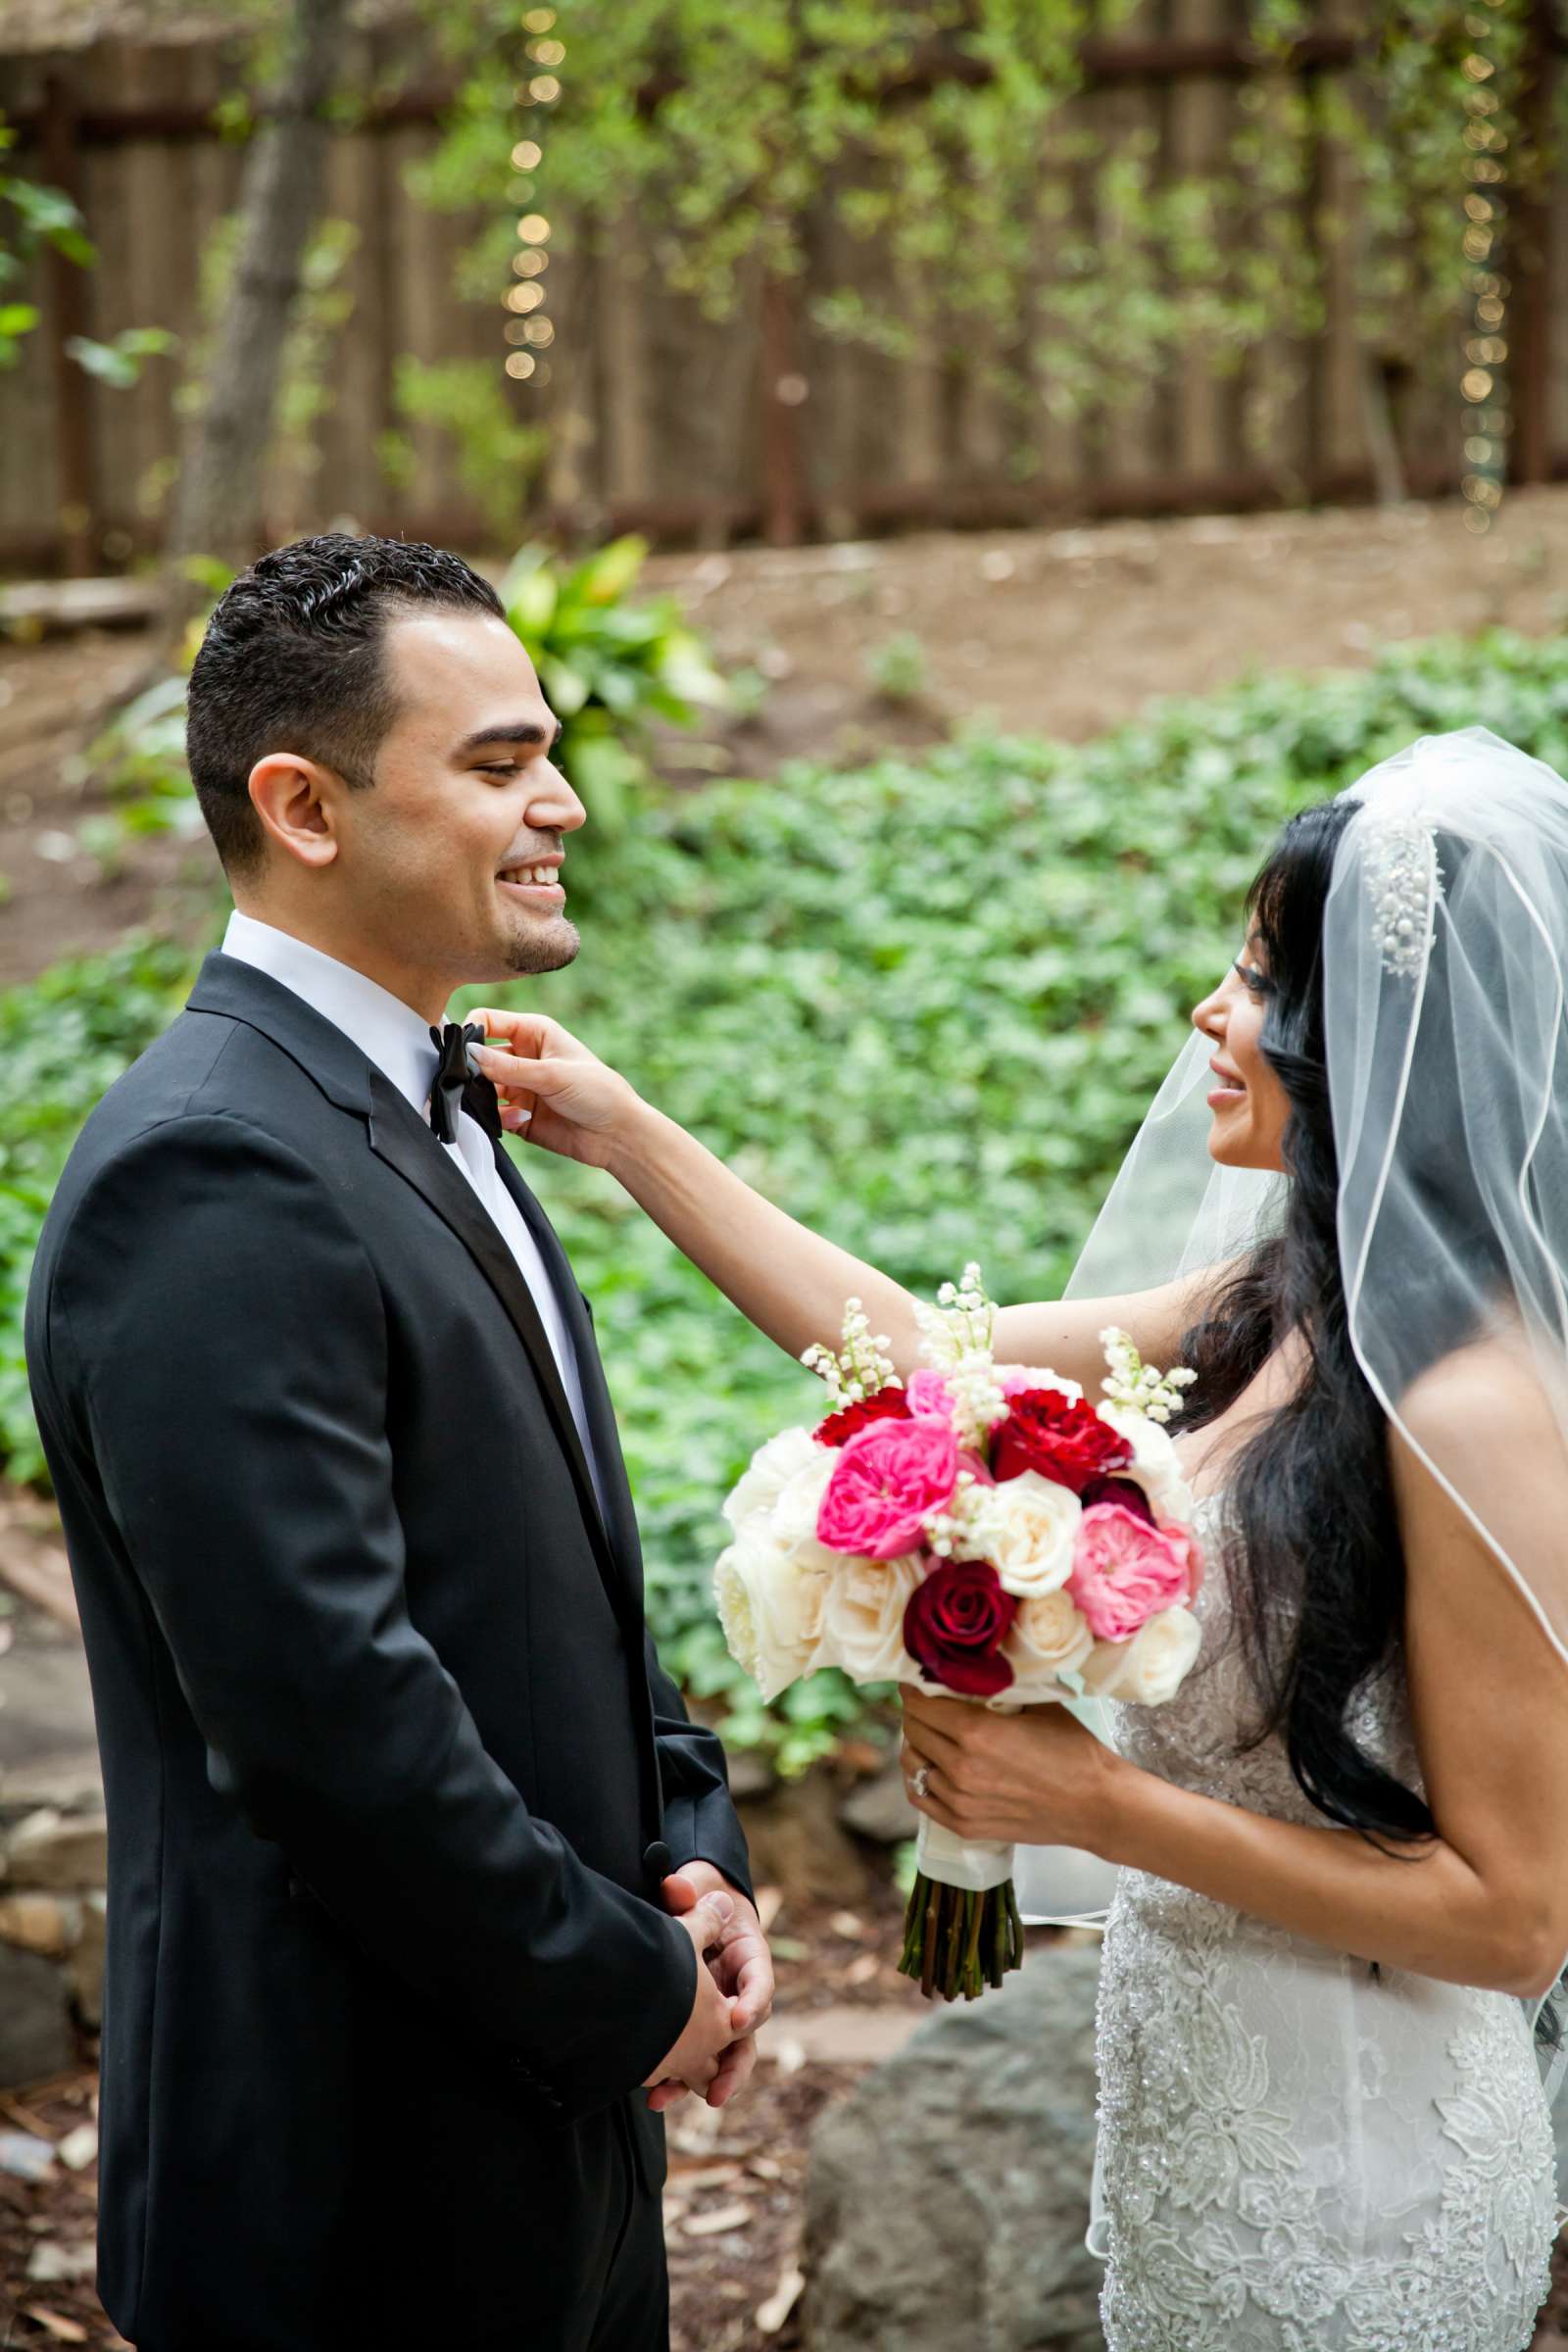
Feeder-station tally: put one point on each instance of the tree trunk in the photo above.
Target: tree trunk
(216, 509)
(1383, 445)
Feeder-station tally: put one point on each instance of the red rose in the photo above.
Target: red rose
(1124, 1491)
(954, 1626)
(1068, 1442)
(888, 1404)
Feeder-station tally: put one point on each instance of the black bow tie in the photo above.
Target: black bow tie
(453, 1080)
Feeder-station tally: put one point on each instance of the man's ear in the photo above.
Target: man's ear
(296, 802)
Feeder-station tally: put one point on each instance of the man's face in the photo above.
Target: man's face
(450, 858)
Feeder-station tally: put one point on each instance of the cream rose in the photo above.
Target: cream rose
(1153, 1466)
(770, 1470)
(1048, 1639)
(862, 1621)
(771, 1606)
(792, 1519)
(1151, 1667)
(1025, 1528)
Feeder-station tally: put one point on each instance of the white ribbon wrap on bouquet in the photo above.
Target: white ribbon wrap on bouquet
(1064, 1886)
(973, 1865)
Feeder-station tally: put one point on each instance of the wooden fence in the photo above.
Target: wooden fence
(659, 419)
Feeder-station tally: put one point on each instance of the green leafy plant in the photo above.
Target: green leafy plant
(923, 1005)
(32, 216)
(1020, 234)
(608, 668)
(896, 667)
(498, 458)
(65, 1038)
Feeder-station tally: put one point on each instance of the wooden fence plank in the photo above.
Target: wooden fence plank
(1197, 136)
(668, 415)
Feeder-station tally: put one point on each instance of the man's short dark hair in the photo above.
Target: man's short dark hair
(292, 661)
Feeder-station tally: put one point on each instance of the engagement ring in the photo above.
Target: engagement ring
(919, 1780)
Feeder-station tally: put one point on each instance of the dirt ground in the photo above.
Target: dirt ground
(1063, 632)
(732, 2205)
(1058, 632)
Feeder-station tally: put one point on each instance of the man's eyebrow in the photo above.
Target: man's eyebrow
(509, 730)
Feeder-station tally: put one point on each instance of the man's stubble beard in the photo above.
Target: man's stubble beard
(550, 953)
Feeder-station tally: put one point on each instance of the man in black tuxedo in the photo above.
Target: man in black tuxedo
(424, 1894)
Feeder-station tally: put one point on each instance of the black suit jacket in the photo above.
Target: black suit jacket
(391, 1770)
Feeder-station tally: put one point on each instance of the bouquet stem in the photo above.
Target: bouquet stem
(962, 1931)
(956, 1942)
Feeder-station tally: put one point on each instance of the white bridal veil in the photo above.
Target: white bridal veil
(1445, 944)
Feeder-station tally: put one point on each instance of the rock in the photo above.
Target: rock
(880, 1808)
(78, 2148)
(948, 2195)
(50, 1848)
(795, 1840)
(54, 2260)
(40, 1922)
(24, 2157)
(84, 1971)
(72, 1784)
(751, 1775)
(35, 2035)
(841, 2034)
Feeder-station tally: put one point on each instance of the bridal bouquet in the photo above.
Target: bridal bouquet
(985, 1533)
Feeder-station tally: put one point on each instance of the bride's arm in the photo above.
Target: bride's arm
(790, 1281)
(1065, 1333)
(1486, 1902)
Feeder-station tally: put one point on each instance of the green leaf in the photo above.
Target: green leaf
(605, 774)
(530, 602)
(105, 361)
(566, 689)
(608, 575)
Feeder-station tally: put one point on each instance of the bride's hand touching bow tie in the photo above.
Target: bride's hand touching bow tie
(553, 1091)
(792, 1283)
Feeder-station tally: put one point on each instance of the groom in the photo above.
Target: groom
(424, 1894)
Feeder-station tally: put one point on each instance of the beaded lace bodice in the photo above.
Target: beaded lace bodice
(1297, 2154)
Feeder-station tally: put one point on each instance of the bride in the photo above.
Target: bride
(1342, 1895)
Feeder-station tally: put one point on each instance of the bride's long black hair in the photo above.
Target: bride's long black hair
(1319, 1572)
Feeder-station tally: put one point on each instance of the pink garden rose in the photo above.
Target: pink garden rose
(888, 1480)
(1192, 1550)
(930, 1397)
(1124, 1571)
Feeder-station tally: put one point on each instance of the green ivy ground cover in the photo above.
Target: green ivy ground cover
(923, 1005)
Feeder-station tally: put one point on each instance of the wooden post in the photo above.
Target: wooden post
(1530, 251)
(1198, 123)
(620, 336)
(66, 314)
(783, 391)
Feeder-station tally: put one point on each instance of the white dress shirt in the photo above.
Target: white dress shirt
(393, 1036)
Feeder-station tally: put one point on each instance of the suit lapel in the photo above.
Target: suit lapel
(400, 1137)
(601, 1412)
(606, 1441)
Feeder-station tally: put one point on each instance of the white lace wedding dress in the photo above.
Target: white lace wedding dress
(1297, 2155)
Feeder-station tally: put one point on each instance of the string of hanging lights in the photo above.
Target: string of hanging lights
(1483, 385)
(527, 329)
